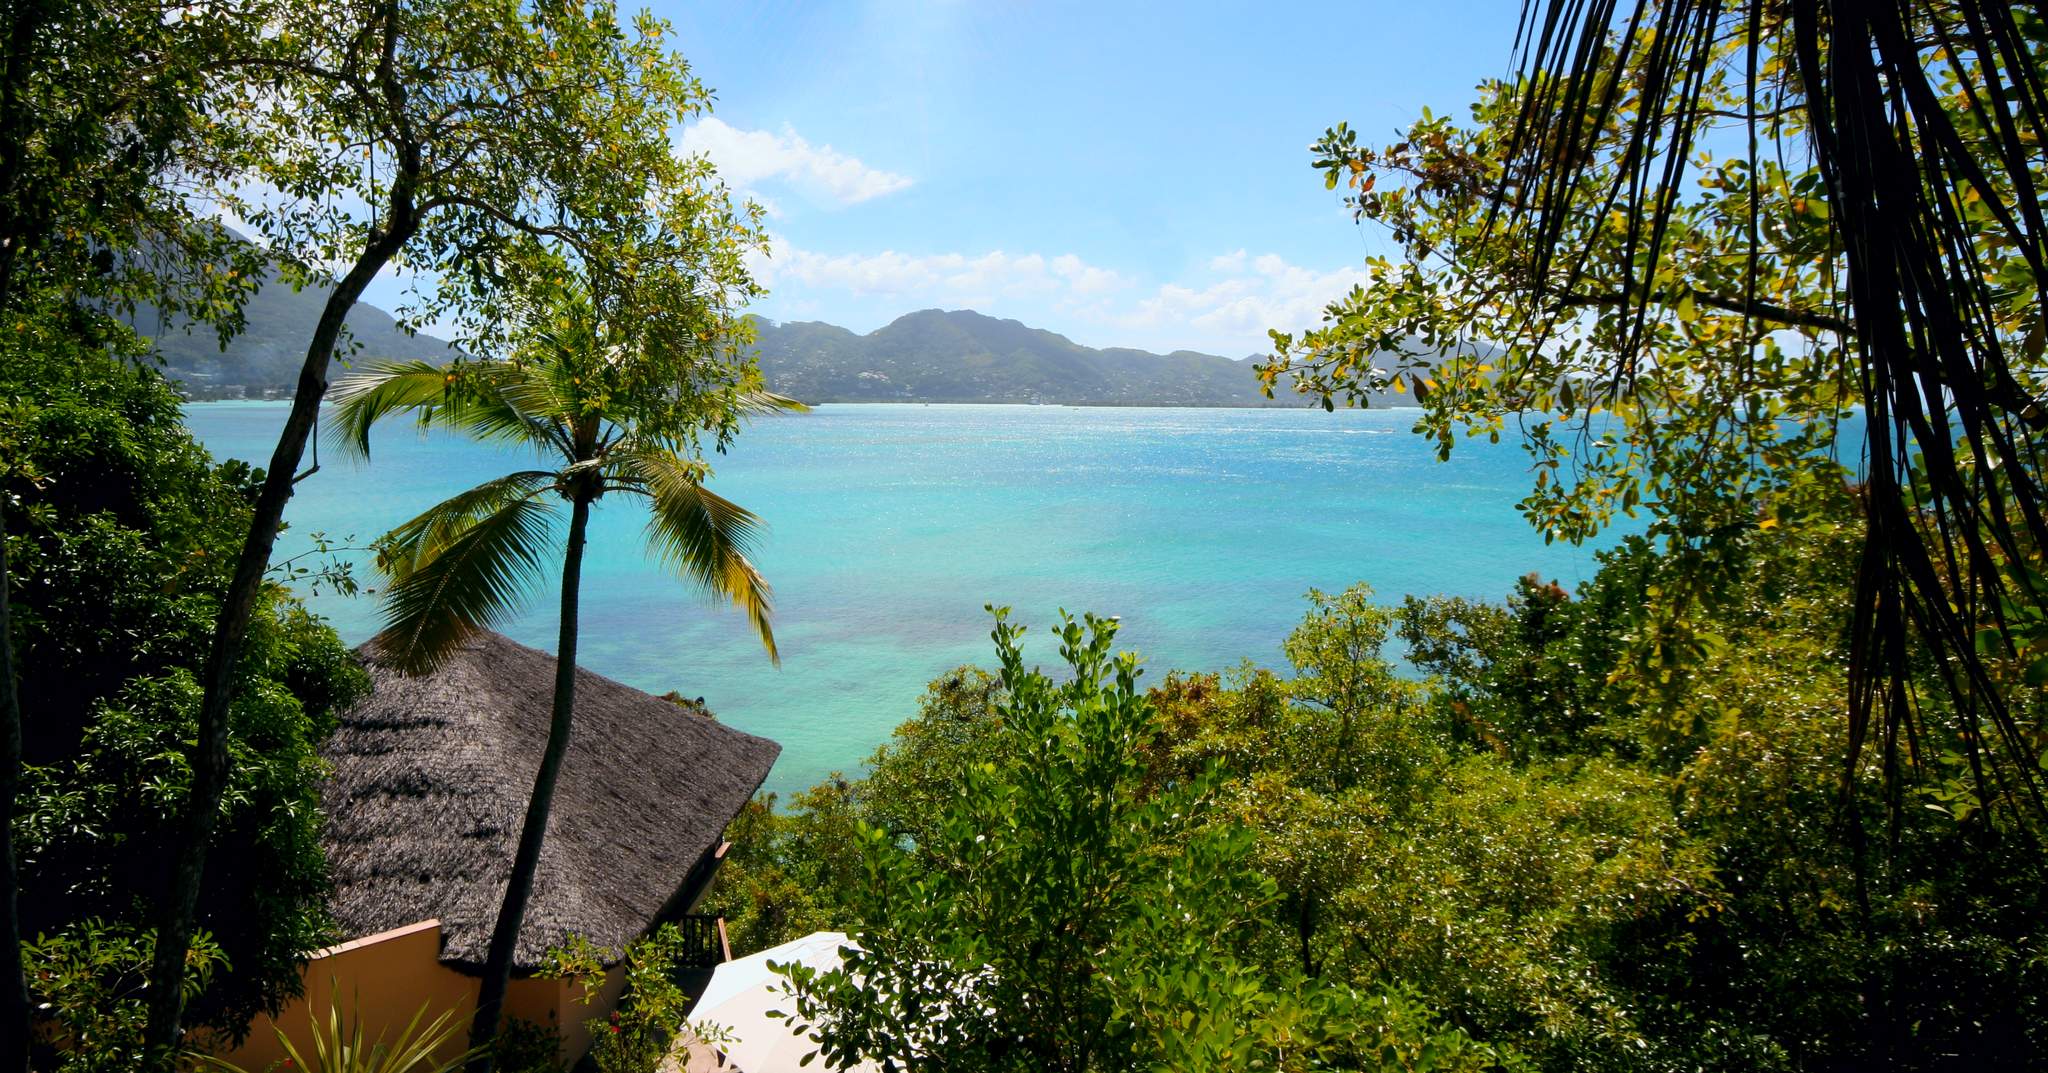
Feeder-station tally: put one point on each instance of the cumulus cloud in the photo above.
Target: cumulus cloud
(1228, 262)
(747, 158)
(1253, 295)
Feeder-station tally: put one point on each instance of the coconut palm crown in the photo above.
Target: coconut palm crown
(601, 416)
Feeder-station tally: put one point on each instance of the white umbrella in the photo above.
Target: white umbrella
(741, 993)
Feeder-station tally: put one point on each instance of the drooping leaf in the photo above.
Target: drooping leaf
(478, 574)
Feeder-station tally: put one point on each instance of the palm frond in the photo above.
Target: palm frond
(365, 397)
(404, 548)
(701, 536)
(489, 553)
(759, 402)
(543, 389)
(485, 400)
(339, 1046)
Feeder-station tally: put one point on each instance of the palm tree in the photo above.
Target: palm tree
(613, 415)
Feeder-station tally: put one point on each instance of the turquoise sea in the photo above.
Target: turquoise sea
(892, 525)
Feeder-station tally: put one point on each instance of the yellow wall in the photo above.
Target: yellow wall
(567, 999)
(382, 980)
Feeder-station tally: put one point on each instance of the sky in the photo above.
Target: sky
(1123, 174)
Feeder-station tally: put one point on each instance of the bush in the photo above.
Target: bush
(86, 986)
(1066, 910)
(122, 534)
(650, 1012)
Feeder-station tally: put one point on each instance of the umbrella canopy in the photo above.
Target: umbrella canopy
(741, 993)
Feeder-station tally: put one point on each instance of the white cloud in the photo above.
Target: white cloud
(1243, 305)
(952, 279)
(1226, 308)
(1228, 262)
(748, 157)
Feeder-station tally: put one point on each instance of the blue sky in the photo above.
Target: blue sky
(1127, 175)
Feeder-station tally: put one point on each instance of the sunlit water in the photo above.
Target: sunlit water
(892, 525)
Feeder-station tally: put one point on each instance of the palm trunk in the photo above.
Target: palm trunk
(512, 915)
(210, 755)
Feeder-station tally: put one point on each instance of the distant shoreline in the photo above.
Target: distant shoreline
(966, 402)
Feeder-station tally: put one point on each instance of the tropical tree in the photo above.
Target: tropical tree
(460, 139)
(1924, 123)
(1679, 251)
(103, 128)
(618, 406)
(120, 542)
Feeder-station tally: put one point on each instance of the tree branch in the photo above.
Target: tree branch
(529, 227)
(1785, 315)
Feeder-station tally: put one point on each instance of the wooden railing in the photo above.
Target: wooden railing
(704, 941)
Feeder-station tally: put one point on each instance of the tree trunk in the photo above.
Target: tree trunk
(512, 915)
(210, 756)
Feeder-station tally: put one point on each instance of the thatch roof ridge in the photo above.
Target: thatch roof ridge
(430, 782)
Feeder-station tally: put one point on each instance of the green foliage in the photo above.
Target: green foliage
(1642, 275)
(638, 1034)
(787, 868)
(1499, 683)
(1336, 658)
(785, 873)
(1067, 910)
(1554, 849)
(1406, 857)
(918, 771)
(86, 984)
(106, 101)
(492, 147)
(1791, 947)
(1735, 388)
(121, 536)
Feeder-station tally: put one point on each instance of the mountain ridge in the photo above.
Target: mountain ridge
(929, 355)
(936, 355)
(264, 360)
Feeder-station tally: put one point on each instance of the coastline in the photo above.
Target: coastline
(954, 402)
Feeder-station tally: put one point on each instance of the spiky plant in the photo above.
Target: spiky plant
(338, 1046)
(613, 413)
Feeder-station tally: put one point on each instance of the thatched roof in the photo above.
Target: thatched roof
(431, 778)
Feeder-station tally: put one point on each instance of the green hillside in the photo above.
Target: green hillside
(264, 360)
(928, 356)
(963, 356)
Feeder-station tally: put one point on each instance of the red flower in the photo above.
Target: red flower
(615, 1029)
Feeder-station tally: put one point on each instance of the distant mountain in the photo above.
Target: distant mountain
(963, 356)
(929, 356)
(264, 360)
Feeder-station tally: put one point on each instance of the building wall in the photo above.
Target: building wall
(381, 981)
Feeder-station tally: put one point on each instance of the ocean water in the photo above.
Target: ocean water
(891, 526)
